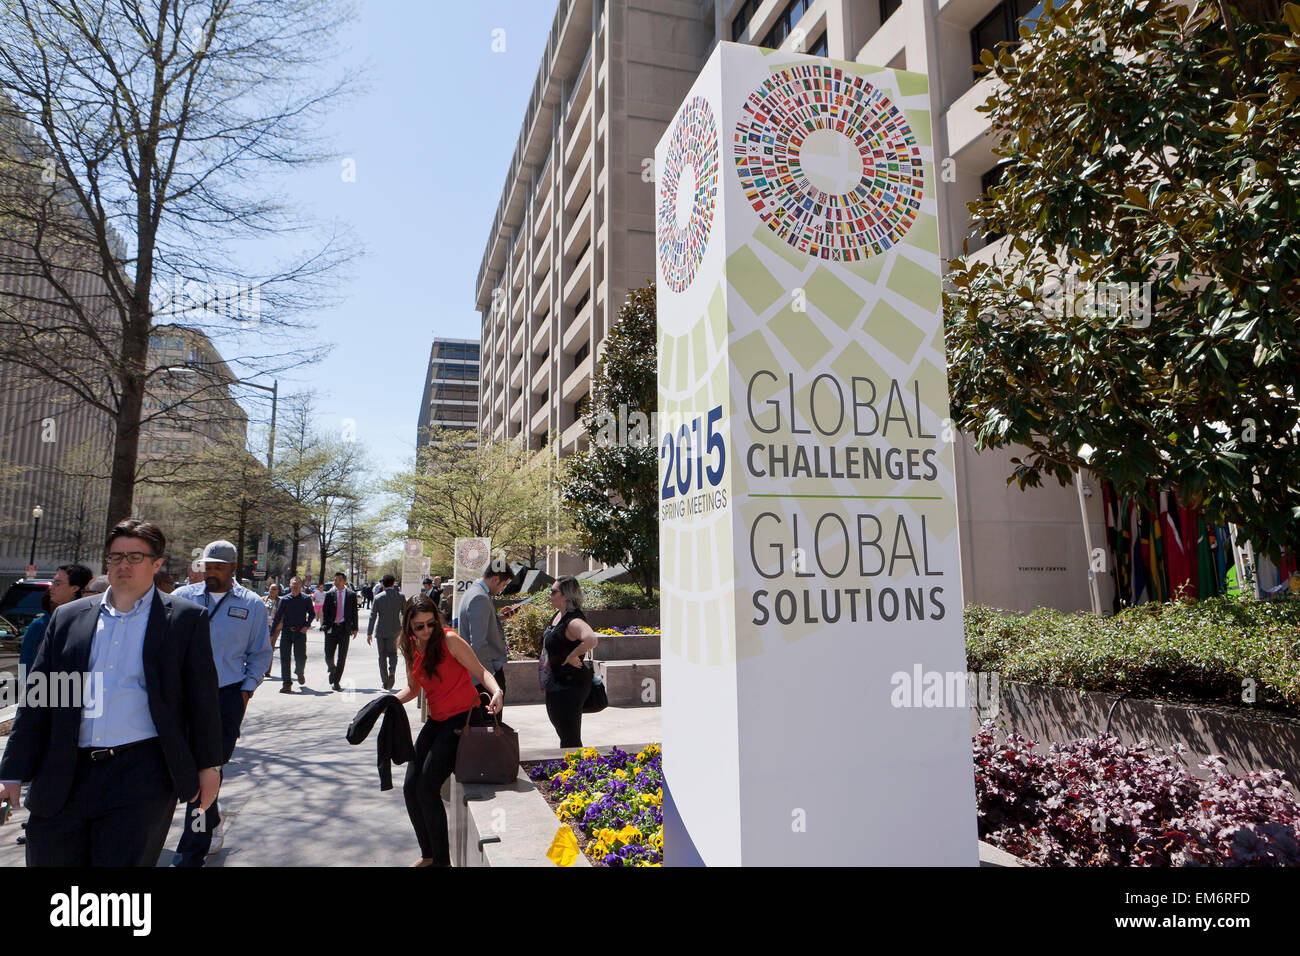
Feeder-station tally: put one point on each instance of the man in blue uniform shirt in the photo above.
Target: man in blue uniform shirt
(241, 650)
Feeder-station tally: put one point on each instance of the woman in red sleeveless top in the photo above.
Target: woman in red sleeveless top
(444, 666)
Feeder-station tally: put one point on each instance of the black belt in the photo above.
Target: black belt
(96, 754)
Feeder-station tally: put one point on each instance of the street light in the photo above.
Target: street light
(37, 513)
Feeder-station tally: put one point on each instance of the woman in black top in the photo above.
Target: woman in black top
(566, 640)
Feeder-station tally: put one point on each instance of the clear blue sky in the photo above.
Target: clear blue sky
(432, 138)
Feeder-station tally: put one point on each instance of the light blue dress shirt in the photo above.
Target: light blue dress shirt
(241, 641)
(117, 662)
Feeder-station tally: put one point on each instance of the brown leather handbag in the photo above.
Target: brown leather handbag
(488, 753)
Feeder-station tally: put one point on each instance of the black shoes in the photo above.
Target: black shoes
(302, 678)
(336, 686)
(286, 689)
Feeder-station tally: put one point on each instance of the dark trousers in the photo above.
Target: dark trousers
(435, 759)
(117, 814)
(564, 708)
(295, 643)
(481, 715)
(196, 836)
(337, 637)
(387, 660)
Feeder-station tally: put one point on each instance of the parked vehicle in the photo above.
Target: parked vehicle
(22, 602)
(11, 635)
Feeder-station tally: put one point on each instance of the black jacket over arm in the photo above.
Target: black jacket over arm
(328, 612)
(180, 680)
(394, 740)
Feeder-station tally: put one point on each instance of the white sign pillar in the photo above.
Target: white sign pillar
(813, 661)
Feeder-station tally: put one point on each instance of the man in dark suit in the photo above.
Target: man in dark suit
(135, 727)
(338, 619)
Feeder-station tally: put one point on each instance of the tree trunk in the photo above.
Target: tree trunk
(293, 560)
(126, 439)
(243, 530)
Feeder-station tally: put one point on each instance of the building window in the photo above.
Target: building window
(582, 252)
(580, 406)
(586, 296)
(791, 15)
(583, 351)
(743, 16)
(820, 48)
(1002, 25)
(887, 9)
(987, 182)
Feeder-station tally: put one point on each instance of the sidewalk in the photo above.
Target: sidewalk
(297, 793)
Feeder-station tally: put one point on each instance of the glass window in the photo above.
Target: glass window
(819, 48)
(987, 181)
(583, 351)
(888, 8)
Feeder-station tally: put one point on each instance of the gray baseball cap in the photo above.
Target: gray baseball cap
(220, 551)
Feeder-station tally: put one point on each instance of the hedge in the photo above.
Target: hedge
(1206, 652)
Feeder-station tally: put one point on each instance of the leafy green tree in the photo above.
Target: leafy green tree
(1147, 305)
(466, 488)
(610, 490)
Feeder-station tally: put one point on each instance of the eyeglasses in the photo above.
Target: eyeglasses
(422, 625)
(130, 557)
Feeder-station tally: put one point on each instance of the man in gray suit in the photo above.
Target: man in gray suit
(481, 627)
(386, 624)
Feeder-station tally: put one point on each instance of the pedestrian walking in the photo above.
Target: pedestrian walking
(339, 622)
(294, 615)
(480, 625)
(272, 603)
(165, 582)
(68, 585)
(318, 603)
(367, 596)
(385, 624)
(565, 641)
(105, 779)
(241, 650)
(439, 662)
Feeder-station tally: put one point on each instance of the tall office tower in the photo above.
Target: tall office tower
(451, 386)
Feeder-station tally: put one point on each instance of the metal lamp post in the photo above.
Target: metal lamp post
(37, 513)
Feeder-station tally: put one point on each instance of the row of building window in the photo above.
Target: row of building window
(783, 27)
(177, 444)
(456, 352)
(1002, 25)
(166, 342)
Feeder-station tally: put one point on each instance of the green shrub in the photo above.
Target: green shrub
(524, 630)
(1204, 651)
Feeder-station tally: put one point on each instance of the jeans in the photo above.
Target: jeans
(294, 642)
(564, 708)
(481, 715)
(196, 834)
(435, 759)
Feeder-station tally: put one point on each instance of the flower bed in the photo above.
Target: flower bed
(613, 802)
(1096, 802)
(631, 631)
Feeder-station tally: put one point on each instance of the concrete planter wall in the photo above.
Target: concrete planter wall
(627, 648)
(629, 683)
(1247, 743)
(505, 825)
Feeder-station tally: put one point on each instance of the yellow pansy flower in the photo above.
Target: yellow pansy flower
(630, 834)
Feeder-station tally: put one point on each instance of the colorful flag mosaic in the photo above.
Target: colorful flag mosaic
(781, 116)
(691, 165)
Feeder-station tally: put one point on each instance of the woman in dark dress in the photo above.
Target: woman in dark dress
(565, 641)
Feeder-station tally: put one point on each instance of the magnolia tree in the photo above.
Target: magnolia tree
(611, 489)
(1145, 305)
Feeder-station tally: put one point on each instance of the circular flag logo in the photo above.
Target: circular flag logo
(688, 192)
(829, 163)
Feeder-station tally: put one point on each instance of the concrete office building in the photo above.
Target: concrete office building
(574, 229)
(451, 387)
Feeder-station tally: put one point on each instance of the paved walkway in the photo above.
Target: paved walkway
(298, 794)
